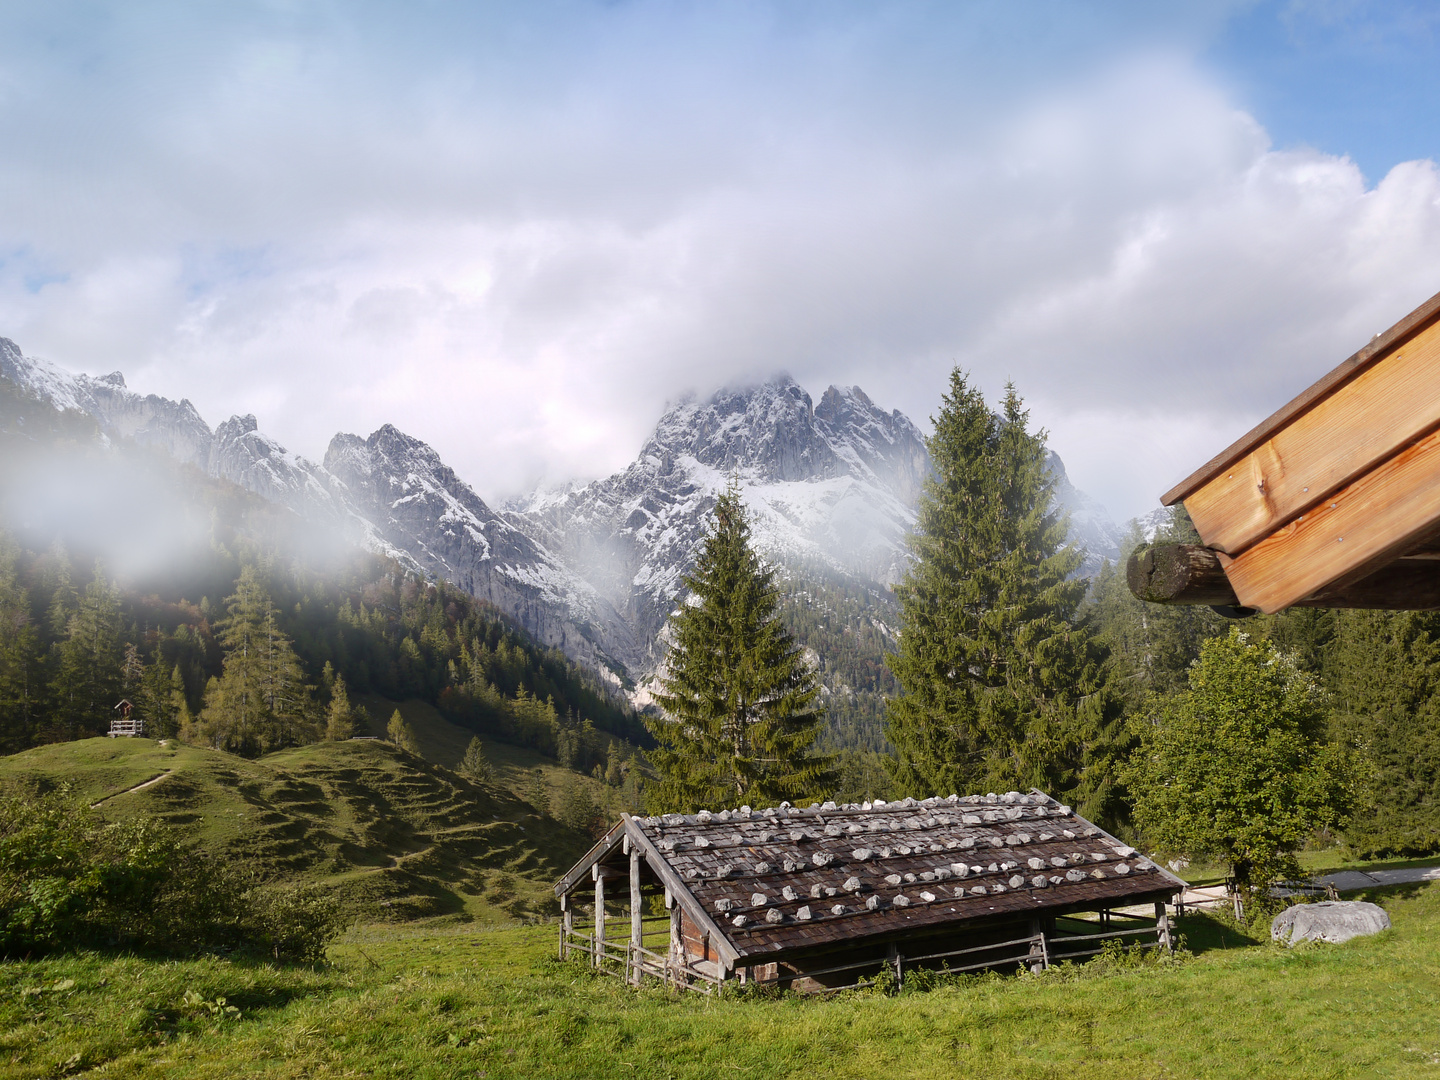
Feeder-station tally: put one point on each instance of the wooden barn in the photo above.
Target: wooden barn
(830, 896)
(1333, 501)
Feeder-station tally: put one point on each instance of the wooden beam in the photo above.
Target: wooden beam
(1384, 409)
(1377, 348)
(1356, 531)
(1179, 574)
(1189, 574)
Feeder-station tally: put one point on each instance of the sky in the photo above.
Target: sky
(518, 231)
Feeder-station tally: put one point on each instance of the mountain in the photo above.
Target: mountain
(832, 486)
(595, 569)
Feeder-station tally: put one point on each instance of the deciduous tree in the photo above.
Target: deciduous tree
(1237, 767)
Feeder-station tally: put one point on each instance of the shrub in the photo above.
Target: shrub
(69, 879)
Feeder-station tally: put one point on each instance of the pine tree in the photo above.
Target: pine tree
(577, 809)
(1384, 672)
(739, 696)
(537, 793)
(87, 681)
(474, 764)
(22, 658)
(260, 702)
(402, 734)
(1003, 684)
(340, 716)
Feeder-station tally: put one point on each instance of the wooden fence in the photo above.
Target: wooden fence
(631, 962)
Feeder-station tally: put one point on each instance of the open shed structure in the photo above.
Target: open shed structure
(830, 896)
(1334, 501)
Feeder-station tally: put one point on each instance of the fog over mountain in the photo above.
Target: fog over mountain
(592, 569)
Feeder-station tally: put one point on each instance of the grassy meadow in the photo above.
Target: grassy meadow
(449, 967)
(446, 999)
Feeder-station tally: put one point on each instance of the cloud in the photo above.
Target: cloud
(518, 236)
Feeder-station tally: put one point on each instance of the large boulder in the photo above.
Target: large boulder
(1332, 920)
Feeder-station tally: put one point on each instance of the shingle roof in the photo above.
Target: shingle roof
(785, 878)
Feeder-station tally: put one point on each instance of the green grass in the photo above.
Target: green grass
(444, 743)
(395, 835)
(443, 1001)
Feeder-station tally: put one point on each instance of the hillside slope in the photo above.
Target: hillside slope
(397, 837)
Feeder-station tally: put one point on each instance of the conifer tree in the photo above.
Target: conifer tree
(474, 764)
(1003, 684)
(260, 702)
(1384, 673)
(537, 793)
(87, 681)
(340, 716)
(577, 809)
(401, 733)
(739, 698)
(22, 658)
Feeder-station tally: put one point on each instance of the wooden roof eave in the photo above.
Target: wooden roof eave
(1380, 346)
(627, 828)
(682, 895)
(582, 870)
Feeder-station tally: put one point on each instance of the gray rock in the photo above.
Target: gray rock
(852, 884)
(774, 915)
(804, 914)
(1332, 920)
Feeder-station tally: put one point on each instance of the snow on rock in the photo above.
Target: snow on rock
(594, 569)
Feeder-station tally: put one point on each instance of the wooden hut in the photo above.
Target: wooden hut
(830, 896)
(1333, 501)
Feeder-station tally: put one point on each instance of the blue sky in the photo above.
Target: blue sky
(517, 231)
(1352, 78)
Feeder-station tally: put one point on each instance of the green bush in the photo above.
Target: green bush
(69, 880)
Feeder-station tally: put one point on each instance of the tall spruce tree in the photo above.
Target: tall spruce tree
(1003, 683)
(1384, 673)
(739, 698)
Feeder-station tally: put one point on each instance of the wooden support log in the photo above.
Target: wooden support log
(599, 942)
(637, 912)
(1193, 575)
(1179, 574)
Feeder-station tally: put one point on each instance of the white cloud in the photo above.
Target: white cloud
(518, 240)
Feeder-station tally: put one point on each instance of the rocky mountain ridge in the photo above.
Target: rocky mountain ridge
(592, 569)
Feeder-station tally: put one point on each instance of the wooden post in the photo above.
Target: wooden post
(1039, 958)
(897, 964)
(675, 957)
(599, 943)
(567, 924)
(1162, 926)
(637, 911)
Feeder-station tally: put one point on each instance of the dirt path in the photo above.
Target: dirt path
(143, 784)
